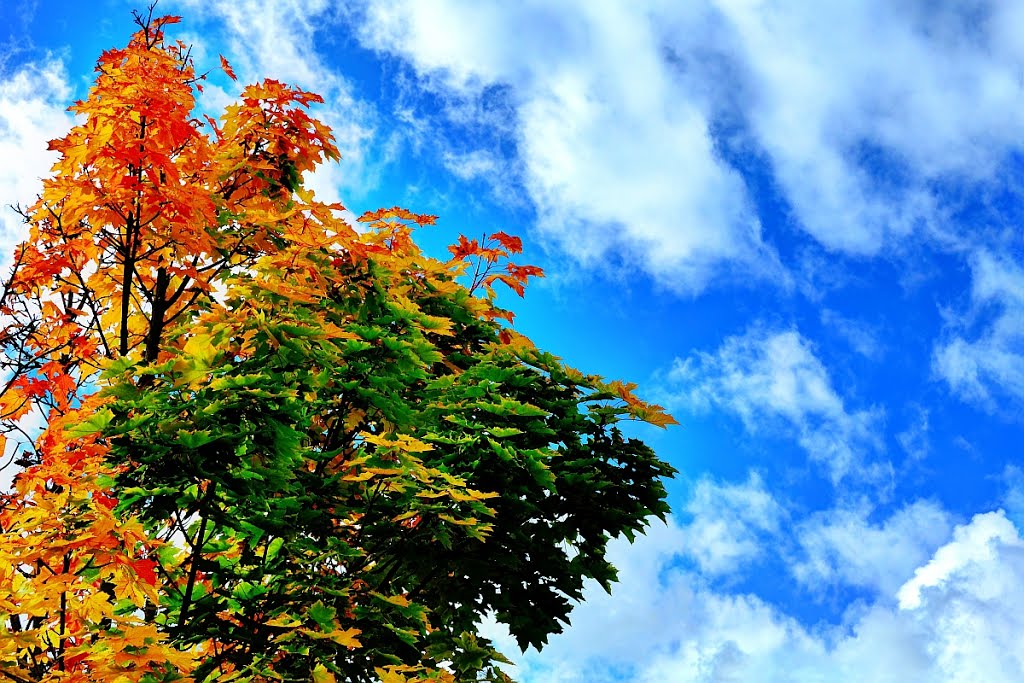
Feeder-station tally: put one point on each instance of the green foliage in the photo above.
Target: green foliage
(329, 461)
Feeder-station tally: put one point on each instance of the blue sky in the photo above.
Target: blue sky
(795, 224)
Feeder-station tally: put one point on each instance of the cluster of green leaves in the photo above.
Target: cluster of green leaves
(338, 467)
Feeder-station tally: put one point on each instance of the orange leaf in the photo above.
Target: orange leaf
(465, 247)
(511, 242)
(227, 68)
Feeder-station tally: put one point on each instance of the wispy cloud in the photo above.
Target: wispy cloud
(863, 107)
(857, 334)
(475, 164)
(987, 366)
(843, 546)
(728, 524)
(915, 440)
(773, 381)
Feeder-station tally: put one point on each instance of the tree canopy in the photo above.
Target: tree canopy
(277, 446)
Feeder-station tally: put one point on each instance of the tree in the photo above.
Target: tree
(276, 446)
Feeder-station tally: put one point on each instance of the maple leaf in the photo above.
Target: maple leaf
(513, 244)
(464, 248)
(227, 68)
(145, 570)
(322, 675)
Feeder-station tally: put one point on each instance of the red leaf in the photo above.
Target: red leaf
(72, 662)
(144, 569)
(523, 272)
(103, 499)
(227, 68)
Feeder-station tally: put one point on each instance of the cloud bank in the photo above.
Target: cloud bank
(958, 617)
(638, 126)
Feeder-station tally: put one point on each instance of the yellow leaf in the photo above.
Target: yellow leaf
(346, 638)
(399, 600)
(400, 442)
(390, 676)
(322, 675)
(470, 494)
(469, 521)
(201, 348)
(284, 620)
(362, 476)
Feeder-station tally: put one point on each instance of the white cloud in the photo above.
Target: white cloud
(772, 379)
(630, 116)
(33, 110)
(860, 336)
(969, 558)
(914, 440)
(728, 524)
(664, 625)
(471, 165)
(1013, 497)
(617, 156)
(843, 546)
(989, 366)
(861, 105)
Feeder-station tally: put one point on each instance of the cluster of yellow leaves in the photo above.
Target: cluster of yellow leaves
(75, 577)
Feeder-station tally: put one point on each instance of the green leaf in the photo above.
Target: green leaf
(246, 590)
(322, 615)
(274, 548)
(97, 422)
(194, 440)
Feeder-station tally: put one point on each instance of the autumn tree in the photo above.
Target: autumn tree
(278, 446)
